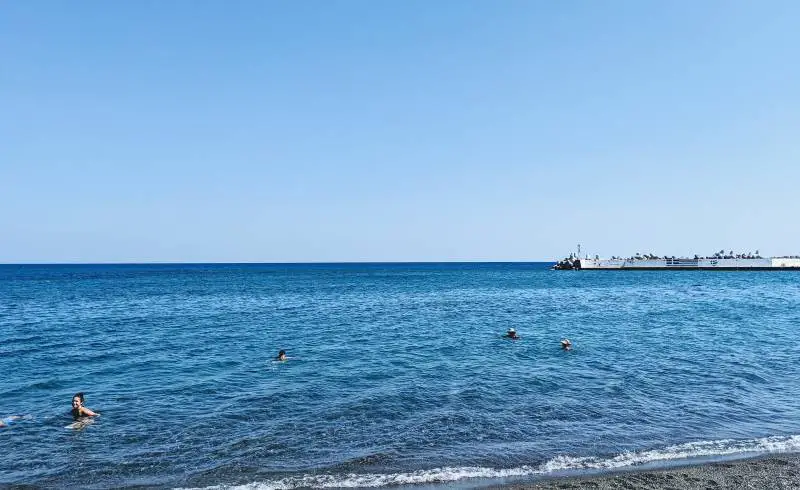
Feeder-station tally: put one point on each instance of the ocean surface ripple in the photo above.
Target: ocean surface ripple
(397, 373)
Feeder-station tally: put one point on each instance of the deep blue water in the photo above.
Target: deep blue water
(398, 372)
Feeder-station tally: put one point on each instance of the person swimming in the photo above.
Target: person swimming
(511, 334)
(566, 344)
(78, 410)
(281, 356)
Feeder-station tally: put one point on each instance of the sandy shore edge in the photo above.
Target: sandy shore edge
(778, 471)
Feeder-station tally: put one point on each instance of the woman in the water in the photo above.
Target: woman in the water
(281, 356)
(78, 410)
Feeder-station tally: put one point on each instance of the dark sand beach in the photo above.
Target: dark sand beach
(770, 472)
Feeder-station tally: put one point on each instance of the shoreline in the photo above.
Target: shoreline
(773, 471)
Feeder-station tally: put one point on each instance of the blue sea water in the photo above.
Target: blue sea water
(397, 373)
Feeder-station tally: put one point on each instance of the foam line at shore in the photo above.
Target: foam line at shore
(558, 465)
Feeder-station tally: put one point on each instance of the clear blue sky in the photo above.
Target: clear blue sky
(397, 130)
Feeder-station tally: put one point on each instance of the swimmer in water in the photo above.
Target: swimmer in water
(78, 410)
(511, 334)
(566, 344)
(281, 356)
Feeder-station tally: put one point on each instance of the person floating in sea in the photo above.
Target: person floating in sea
(281, 356)
(78, 410)
(511, 334)
(566, 344)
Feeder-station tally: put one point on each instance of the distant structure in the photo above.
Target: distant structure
(721, 260)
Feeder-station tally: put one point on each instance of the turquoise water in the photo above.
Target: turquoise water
(397, 372)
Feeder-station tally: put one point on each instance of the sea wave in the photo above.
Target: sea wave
(562, 464)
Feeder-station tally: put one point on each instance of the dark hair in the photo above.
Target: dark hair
(78, 395)
(282, 353)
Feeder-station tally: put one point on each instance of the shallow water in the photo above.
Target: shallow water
(398, 372)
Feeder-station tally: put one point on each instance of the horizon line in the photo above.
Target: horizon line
(293, 263)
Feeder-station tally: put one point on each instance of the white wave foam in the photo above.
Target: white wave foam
(559, 464)
(700, 449)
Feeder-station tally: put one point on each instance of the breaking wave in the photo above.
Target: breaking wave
(558, 465)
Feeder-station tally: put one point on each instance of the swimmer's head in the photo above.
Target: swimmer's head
(566, 344)
(282, 355)
(511, 331)
(77, 399)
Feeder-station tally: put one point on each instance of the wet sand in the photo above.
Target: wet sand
(769, 472)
